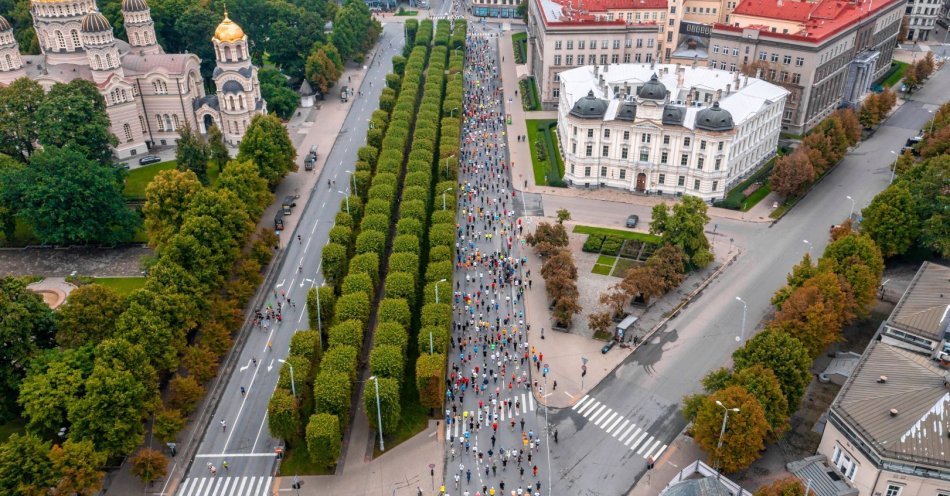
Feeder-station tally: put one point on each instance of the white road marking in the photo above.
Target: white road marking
(587, 408)
(647, 454)
(644, 445)
(627, 432)
(579, 403)
(656, 456)
(606, 420)
(600, 414)
(615, 424)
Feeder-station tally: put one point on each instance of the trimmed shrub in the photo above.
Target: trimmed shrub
(375, 222)
(440, 254)
(339, 359)
(385, 178)
(413, 208)
(406, 243)
(593, 243)
(367, 263)
(445, 292)
(439, 270)
(391, 333)
(382, 192)
(395, 310)
(387, 361)
(353, 306)
(283, 415)
(343, 219)
(359, 282)
(611, 245)
(341, 235)
(441, 339)
(331, 393)
(401, 285)
(324, 439)
(437, 314)
(368, 154)
(389, 404)
(378, 207)
(443, 217)
(306, 344)
(442, 235)
(418, 178)
(300, 379)
(404, 262)
(346, 333)
(430, 370)
(409, 225)
(333, 262)
(415, 193)
(371, 242)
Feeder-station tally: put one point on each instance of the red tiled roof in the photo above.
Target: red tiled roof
(605, 5)
(593, 12)
(819, 19)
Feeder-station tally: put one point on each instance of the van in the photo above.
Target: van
(345, 93)
(311, 158)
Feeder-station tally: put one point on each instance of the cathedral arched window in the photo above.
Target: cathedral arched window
(148, 38)
(231, 103)
(227, 54)
(60, 39)
(98, 62)
(138, 40)
(241, 99)
(168, 123)
(128, 132)
(9, 61)
(75, 36)
(161, 123)
(175, 116)
(142, 123)
(109, 60)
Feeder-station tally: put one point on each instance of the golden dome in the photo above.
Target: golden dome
(228, 31)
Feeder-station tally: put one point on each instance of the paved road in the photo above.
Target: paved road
(245, 442)
(645, 391)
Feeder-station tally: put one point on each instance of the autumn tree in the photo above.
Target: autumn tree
(800, 273)
(849, 120)
(745, 433)
(683, 226)
(792, 174)
(600, 322)
(643, 281)
(548, 238)
(815, 313)
(891, 220)
(77, 467)
(320, 69)
(820, 154)
(669, 263)
(786, 486)
(870, 114)
(615, 299)
(149, 465)
(911, 78)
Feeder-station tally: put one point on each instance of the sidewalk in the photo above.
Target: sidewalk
(397, 472)
(523, 173)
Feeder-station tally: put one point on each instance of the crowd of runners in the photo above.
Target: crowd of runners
(493, 433)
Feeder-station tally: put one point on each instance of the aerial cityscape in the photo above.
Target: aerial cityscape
(266, 247)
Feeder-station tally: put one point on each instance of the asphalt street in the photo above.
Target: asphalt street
(645, 391)
(494, 428)
(243, 441)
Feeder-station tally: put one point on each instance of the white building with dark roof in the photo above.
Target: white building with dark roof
(149, 94)
(666, 129)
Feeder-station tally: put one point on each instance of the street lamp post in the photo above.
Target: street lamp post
(453, 111)
(437, 290)
(443, 197)
(851, 214)
(809, 245)
(932, 119)
(447, 165)
(725, 417)
(894, 167)
(347, 197)
(293, 385)
(319, 323)
(744, 309)
(379, 414)
(353, 180)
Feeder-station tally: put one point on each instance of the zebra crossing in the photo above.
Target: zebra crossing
(225, 486)
(453, 429)
(620, 428)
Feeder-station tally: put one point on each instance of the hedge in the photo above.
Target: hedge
(439, 270)
(324, 439)
(409, 226)
(387, 361)
(445, 292)
(391, 333)
(395, 310)
(341, 358)
(441, 339)
(593, 243)
(406, 243)
(346, 333)
(440, 254)
(301, 378)
(443, 217)
(371, 242)
(306, 344)
(367, 263)
(333, 261)
(413, 208)
(404, 262)
(430, 373)
(401, 285)
(353, 306)
(358, 282)
(368, 154)
(378, 207)
(343, 219)
(442, 235)
(437, 314)
(341, 235)
(283, 415)
(388, 404)
(332, 390)
(327, 306)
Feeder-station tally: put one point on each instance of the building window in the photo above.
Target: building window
(589, 151)
(161, 123)
(644, 154)
(699, 162)
(580, 44)
(586, 171)
(616, 44)
(591, 59)
(684, 159)
(75, 36)
(557, 60)
(715, 48)
(702, 144)
(623, 152)
(763, 55)
(60, 40)
(666, 139)
(626, 58)
(603, 171)
(681, 181)
(783, 76)
(623, 173)
(893, 490)
(696, 184)
(719, 146)
(604, 44)
(626, 135)
(569, 60)
(735, 52)
(603, 59)
(142, 123)
(607, 133)
(796, 78)
(771, 74)
(715, 186)
(557, 45)
(615, 59)
(787, 59)
(127, 129)
(574, 147)
(590, 133)
(686, 142)
(605, 151)
(644, 138)
(774, 57)
(799, 61)
(718, 163)
(664, 157)
(661, 179)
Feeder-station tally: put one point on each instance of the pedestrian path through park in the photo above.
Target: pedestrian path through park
(225, 486)
(621, 429)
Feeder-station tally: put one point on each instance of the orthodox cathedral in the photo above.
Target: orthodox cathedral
(148, 92)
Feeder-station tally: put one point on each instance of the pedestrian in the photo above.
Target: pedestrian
(224, 425)
(243, 392)
(225, 465)
(555, 386)
(555, 436)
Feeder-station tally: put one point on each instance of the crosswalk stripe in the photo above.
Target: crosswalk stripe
(184, 487)
(626, 433)
(579, 403)
(635, 440)
(530, 402)
(213, 486)
(660, 452)
(644, 445)
(606, 420)
(224, 488)
(603, 410)
(201, 485)
(588, 407)
(255, 487)
(267, 484)
(591, 415)
(647, 454)
(243, 483)
(615, 424)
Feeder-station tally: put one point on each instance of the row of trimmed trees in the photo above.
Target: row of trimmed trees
(770, 372)
(558, 270)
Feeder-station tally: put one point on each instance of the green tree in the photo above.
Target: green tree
(19, 130)
(167, 198)
(782, 353)
(25, 467)
(70, 199)
(74, 115)
(860, 246)
(387, 361)
(267, 144)
(684, 228)
(354, 29)
(891, 220)
(562, 215)
(110, 412)
(76, 465)
(184, 392)
(390, 406)
(26, 328)
(149, 465)
(276, 91)
(55, 380)
(762, 383)
(746, 429)
(244, 180)
(142, 325)
(324, 439)
(320, 69)
(430, 373)
(283, 415)
(219, 155)
(192, 153)
(88, 316)
(168, 423)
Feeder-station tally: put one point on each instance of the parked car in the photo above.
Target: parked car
(610, 344)
(632, 221)
(150, 159)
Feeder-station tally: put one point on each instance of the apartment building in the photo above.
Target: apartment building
(827, 53)
(922, 15)
(664, 128)
(564, 34)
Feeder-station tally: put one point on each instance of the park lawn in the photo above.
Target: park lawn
(756, 197)
(138, 179)
(122, 285)
(542, 168)
(557, 156)
(518, 43)
(402, 12)
(10, 427)
(606, 260)
(297, 462)
(603, 270)
(606, 231)
(623, 265)
(897, 75)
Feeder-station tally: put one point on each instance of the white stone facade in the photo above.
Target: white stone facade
(688, 130)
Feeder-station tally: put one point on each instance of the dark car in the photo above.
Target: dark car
(149, 159)
(610, 344)
(632, 221)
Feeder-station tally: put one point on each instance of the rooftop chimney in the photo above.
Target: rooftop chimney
(894, 412)
(728, 89)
